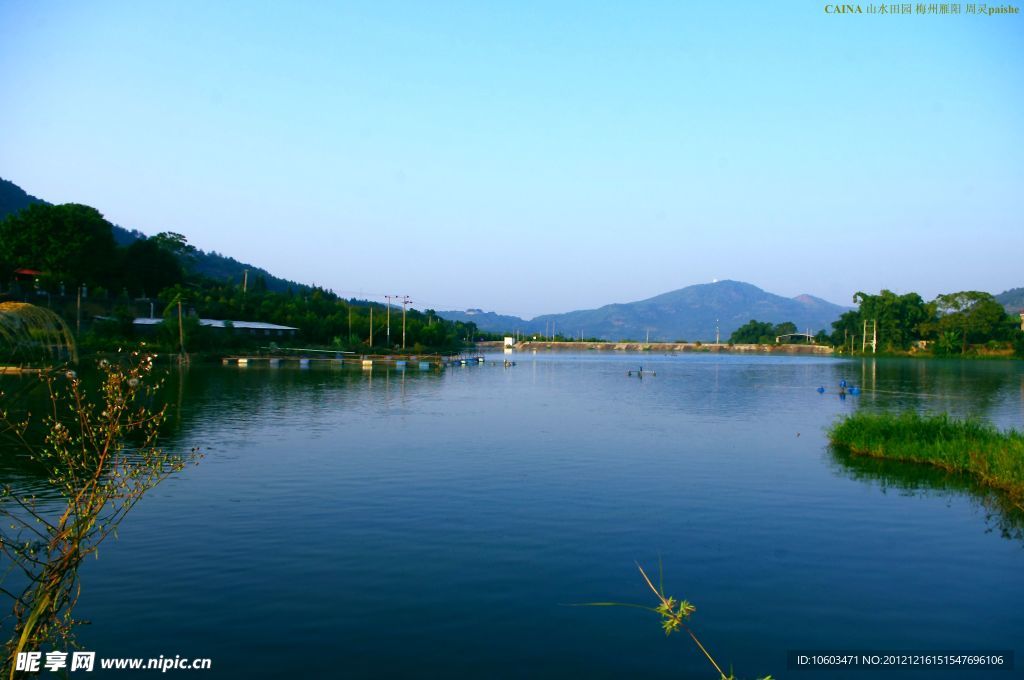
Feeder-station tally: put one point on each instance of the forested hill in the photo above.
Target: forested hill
(13, 198)
(1012, 300)
(219, 267)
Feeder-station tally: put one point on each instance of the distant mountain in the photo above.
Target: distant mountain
(1012, 300)
(689, 313)
(213, 265)
(487, 321)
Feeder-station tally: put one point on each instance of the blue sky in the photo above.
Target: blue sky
(534, 157)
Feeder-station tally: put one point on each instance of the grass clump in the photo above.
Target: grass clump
(965, 446)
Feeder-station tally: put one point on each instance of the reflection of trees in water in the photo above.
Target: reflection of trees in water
(957, 386)
(23, 395)
(1000, 512)
(207, 394)
(100, 456)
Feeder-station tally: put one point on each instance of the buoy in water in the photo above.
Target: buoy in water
(821, 390)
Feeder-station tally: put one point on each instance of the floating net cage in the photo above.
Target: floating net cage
(31, 335)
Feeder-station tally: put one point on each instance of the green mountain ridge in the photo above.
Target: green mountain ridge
(1012, 300)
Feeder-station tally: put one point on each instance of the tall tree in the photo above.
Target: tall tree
(845, 327)
(148, 268)
(754, 332)
(174, 243)
(71, 243)
(784, 328)
(975, 315)
(899, 317)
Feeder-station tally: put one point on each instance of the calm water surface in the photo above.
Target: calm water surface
(346, 524)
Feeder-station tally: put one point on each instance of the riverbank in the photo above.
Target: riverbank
(975, 354)
(971, 447)
(658, 347)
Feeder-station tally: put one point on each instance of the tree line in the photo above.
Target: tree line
(951, 324)
(72, 248)
(764, 333)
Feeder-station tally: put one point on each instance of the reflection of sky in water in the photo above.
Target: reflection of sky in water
(438, 520)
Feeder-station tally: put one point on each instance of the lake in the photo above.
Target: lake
(441, 524)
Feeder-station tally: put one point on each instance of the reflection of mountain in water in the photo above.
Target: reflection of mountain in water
(1001, 514)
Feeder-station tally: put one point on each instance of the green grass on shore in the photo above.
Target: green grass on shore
(970, 446)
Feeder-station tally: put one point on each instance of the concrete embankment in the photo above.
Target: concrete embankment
(660, 347)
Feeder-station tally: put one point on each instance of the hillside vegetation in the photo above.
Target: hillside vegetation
(71, 249)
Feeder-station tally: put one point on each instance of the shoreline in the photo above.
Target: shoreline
(677, 347)
(993, 457)
(725, 348)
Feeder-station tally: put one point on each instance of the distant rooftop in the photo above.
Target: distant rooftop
(221, 323)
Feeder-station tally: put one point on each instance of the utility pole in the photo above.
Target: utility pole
(245, 281)
(181, 332)
(78, 323)
(388, 298)
(405, 301)
(874, 337)
(718, 335)
(371, 327)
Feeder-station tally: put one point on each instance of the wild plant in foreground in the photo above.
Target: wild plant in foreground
(674, 614)
(100, 458)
